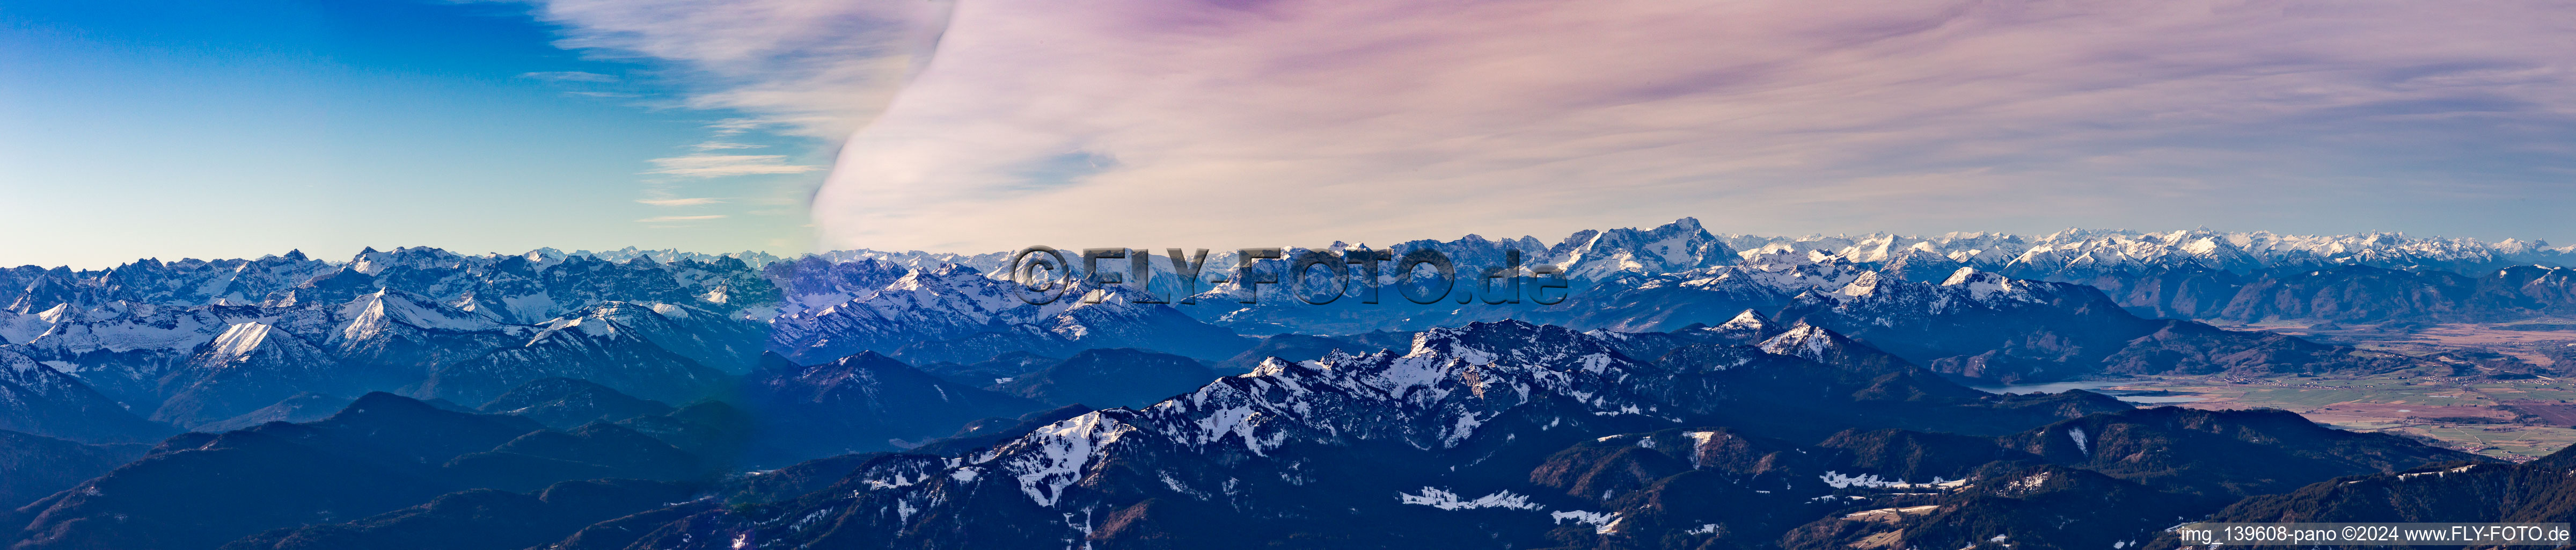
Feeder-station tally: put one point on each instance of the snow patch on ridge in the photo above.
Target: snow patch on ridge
(1872, 481)
(1059, 453)
(1445, 500)
(1601, 522)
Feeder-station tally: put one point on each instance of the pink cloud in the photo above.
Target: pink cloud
(1099, 122)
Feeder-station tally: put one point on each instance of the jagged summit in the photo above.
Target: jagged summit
(1749, 325)
(1815, 343)
(2073, 251)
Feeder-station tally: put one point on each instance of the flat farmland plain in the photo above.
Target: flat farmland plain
(2508, 419)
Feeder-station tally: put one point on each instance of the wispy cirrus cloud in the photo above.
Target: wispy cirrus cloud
(812, 68)
(666, 219)
(570, 76)
(1321, 121)
(710, 166)
(691, 201)
(815, 69)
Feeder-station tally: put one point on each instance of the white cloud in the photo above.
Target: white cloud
(1308, 121)
(696, 201)
(709, 166)
(658, 219)
(570, 76)
(815, 68)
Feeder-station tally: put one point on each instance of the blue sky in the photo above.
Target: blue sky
(236, 129)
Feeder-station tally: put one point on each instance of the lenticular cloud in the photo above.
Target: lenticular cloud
(1115, 122)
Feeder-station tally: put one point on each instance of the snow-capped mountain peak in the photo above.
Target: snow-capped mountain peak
(1804, 341)
(1433, 396)
(1985, 285)
(373, 313)
(1864, 285)
(238, 341)
(1748, 321)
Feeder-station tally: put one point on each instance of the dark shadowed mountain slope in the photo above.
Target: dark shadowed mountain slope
(864, 402)
(1119, 377)
(2189, 348)
(596, 450)
(2110, 479)
(33, 466)
(1394, 450)
(564, 403)
(719, 434)
(198, 490)
(37, 399)
(1777, 389)
(382, 453)
(2353, 294)
(990, 372)
(1907, 454)
(2223, 455)
(300, 408)
(2540, 491)
(479, 519)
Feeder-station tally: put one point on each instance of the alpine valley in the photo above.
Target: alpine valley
(1682, 390)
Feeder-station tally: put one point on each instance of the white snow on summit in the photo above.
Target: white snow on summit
(2092, 250)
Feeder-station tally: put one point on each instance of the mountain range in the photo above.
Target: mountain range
(1690, 390)
(2191, 274)
(1518, 435)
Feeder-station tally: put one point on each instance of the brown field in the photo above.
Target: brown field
(2555, 413)
(2435, 339)
(2399, 412)
(2511, 419)
(2466, 414)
